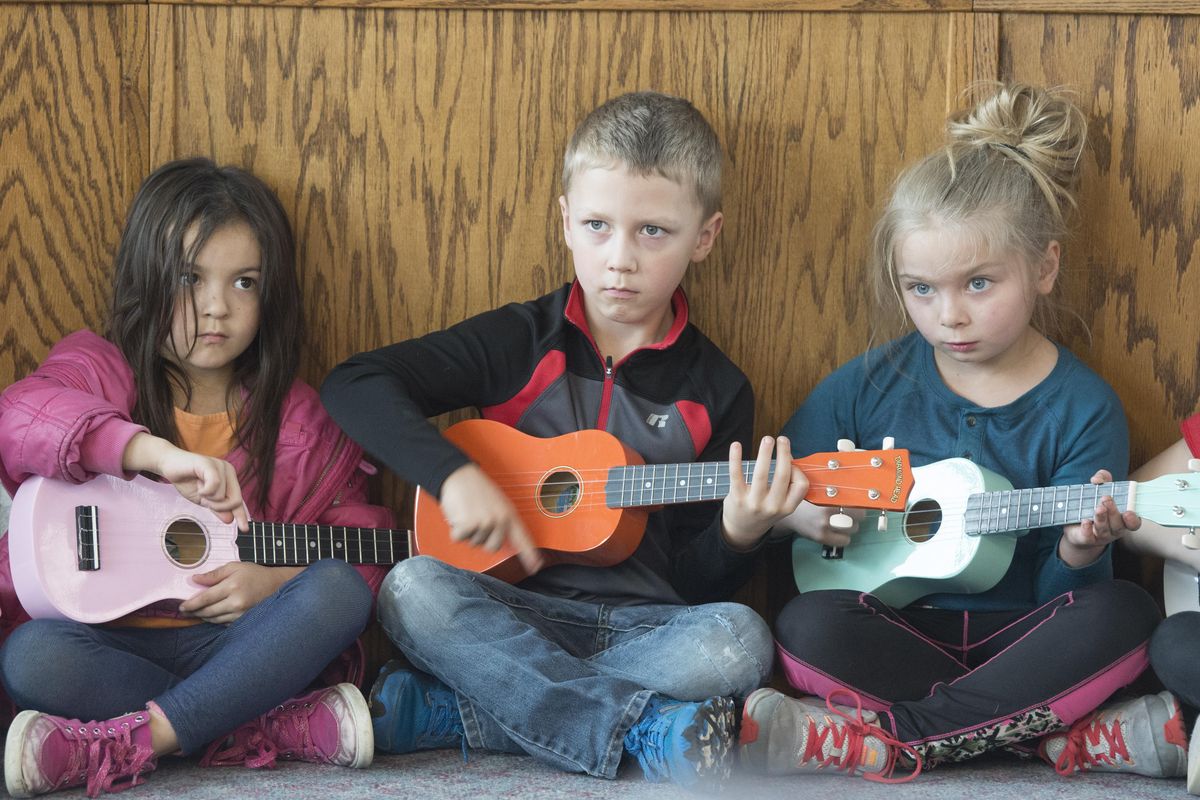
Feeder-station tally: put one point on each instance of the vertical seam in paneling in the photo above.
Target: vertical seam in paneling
(986, 47)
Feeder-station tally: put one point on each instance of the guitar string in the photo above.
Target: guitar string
(920, 516)
(536, 476)
(533, 504)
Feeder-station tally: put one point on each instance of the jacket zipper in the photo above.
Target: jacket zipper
(324, 474)
(605, 394)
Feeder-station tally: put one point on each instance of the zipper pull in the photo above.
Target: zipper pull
(608, 366)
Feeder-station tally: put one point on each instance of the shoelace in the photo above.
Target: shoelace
(855, 732)
(1076, 755)
(250, 746)
(444, 722)
(110, 762)
(289, 723)
(645, 741)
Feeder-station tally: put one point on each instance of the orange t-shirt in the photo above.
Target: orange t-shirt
(206, 434)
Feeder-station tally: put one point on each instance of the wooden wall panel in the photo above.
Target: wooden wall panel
(417, 151)
(856, 6)
(1131, 272)
(72, 149)
(419, 154)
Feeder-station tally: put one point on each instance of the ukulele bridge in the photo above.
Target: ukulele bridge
(87, 538)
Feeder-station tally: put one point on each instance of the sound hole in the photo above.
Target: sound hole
(922, 521)
(185, 542)
(559, 493)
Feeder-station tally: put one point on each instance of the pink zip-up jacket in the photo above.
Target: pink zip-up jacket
(70, 420)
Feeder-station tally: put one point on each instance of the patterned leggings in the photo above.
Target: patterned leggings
(954, 684)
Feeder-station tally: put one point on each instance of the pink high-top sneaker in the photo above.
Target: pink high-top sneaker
(328, 726)
(44, 753)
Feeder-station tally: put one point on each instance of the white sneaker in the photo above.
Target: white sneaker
(784, 735)
(1144, 735)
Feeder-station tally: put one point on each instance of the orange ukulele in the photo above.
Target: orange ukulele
(584, 496)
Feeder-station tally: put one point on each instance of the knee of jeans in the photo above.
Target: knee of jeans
(336, 590)
(409, 586)
(25, 658)
(743, 640)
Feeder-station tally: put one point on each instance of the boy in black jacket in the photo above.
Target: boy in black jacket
(579, 664)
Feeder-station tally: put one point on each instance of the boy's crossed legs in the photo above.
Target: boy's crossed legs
(565, 680)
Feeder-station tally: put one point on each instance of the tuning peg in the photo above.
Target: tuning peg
(1194, 464)
(1190, 540)
(845, 445)
(841, 521)
(881, 523)
(889, 443)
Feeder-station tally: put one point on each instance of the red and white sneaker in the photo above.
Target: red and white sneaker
(328, 726)
(1144, 735)
(784, 735)
(44, 753)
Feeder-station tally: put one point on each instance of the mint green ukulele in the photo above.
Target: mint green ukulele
(960, 525)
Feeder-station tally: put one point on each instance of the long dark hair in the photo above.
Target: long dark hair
(196, 195)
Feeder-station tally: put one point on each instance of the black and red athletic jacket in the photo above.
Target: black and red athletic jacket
(535, 366)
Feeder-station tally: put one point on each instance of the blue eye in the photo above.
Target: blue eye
(594, 225)
(921, 289)
(979, 284)
(653, 230)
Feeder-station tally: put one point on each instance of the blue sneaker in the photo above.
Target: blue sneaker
(685, 743)
(413, 711)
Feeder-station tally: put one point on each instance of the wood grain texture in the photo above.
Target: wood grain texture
(855, 6)
(417, 152)
(83, 2)
(72, 127)
(1097, 7)
(1131, 272)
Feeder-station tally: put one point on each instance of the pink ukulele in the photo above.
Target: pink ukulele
(96, 551)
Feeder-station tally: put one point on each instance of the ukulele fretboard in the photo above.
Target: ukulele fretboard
(666, 484)
(1022, 509)
(281, 544)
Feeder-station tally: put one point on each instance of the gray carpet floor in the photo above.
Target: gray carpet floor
(442, 774)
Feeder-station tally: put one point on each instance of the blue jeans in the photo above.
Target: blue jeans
(564, 680)
(208, 679)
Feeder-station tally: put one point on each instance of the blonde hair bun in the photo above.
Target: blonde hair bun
(1042, 130)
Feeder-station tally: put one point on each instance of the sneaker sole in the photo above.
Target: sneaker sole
(14, 754)
(361, 714)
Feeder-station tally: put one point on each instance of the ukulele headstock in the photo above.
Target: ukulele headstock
(879, 479)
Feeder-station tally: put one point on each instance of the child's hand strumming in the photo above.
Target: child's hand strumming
(480, 514)
(208, 482)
